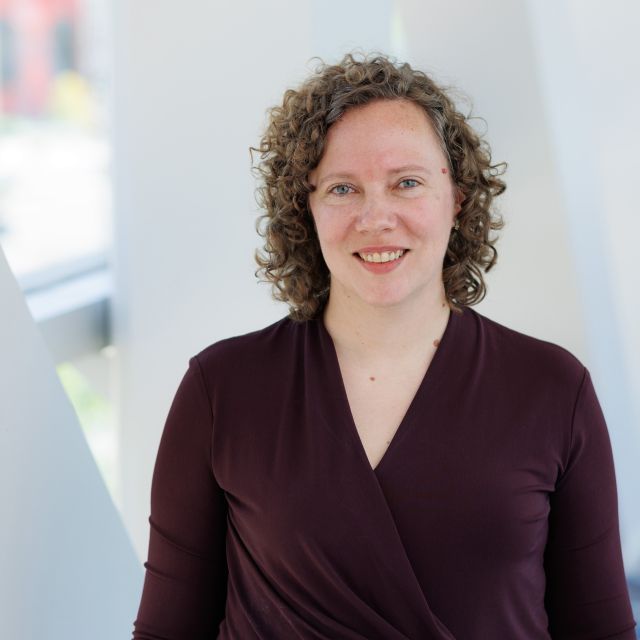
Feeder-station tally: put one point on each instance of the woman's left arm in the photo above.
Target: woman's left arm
(586, 593)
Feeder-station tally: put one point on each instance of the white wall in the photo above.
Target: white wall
(588, 65)
(190, 100)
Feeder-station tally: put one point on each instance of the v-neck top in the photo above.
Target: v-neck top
(435, 372)
(492, 513)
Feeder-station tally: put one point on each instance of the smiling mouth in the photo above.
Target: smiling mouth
(380, 261)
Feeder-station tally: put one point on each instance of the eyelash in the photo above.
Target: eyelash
(417, 183)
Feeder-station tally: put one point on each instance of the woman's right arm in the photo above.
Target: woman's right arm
(184, 593)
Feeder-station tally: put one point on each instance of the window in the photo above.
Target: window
(55, 190)
(55, 193)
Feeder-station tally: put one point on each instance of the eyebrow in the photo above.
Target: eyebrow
(406, 167)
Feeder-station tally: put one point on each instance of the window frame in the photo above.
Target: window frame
(71, 304)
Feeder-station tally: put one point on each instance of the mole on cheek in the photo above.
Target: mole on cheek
(371, 378)
(444, 170)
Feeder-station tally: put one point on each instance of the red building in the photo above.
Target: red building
(38, 40)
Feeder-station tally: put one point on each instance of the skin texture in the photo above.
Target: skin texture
(361, 200)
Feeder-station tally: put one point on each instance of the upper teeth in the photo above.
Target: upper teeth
(385, 256)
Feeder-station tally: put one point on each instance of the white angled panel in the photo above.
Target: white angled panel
(67, 567)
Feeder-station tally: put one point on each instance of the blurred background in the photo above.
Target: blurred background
(127, 210)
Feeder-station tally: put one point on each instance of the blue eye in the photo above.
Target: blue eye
(415, 182)
(340, 187)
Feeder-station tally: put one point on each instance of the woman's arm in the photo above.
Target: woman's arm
(184, 591)
(586, 595)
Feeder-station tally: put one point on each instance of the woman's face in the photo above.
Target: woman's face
(383, 184)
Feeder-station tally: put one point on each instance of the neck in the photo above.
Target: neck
(372, 334)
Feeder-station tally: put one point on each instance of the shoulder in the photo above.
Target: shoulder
(523, 355)
(254, 351)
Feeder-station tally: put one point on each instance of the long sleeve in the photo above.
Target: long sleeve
(586, 594)
(185, 584)
(492, 515)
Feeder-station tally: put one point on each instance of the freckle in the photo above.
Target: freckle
(436, 343)
(371, 378)
(444, 170)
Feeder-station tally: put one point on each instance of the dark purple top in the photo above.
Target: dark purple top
(492, 515)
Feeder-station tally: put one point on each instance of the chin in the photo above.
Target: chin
(383, 301)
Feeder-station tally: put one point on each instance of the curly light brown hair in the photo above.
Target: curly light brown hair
(292, 146)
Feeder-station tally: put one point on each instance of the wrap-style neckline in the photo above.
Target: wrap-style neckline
(432, 378)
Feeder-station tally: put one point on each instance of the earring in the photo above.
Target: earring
(456, 226)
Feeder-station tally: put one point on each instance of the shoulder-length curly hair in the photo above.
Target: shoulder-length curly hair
(292, 145)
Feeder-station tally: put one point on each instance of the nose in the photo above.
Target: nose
(376, 214)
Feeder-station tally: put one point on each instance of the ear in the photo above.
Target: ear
(459, 199)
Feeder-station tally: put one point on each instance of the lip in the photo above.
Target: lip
(381, 267)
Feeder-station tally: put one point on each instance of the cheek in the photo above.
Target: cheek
(319, 224)
(432, 216)
(331, 228)
(423, 224)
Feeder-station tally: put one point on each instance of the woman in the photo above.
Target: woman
(384, 462)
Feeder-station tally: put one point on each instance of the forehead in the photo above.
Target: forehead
(400, 110)
(381, 129)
